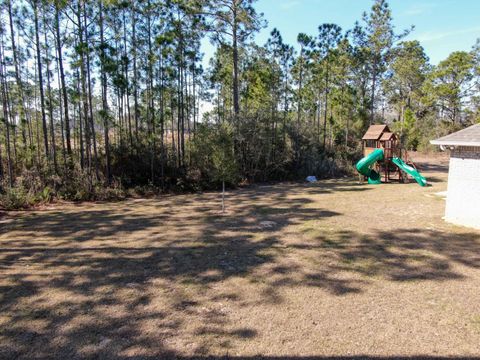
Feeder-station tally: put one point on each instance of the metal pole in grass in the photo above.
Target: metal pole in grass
(223, 196)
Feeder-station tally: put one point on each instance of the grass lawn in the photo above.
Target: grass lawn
(332, 268)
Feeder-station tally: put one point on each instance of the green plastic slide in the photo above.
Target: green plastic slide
(410, 170)
(363, 166)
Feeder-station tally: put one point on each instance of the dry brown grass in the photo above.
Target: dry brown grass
(335, 268)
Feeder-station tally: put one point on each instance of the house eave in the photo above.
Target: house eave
(455, 143)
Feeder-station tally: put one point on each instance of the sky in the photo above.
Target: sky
(441, 26)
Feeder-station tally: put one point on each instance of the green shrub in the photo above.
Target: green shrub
(16, 198)
(213, 159)
(74, 185)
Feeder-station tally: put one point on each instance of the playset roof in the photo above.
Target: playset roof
(374, 132)
(386, 136)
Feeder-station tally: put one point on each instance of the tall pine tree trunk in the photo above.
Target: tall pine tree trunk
(90, 102)
(236, 101)
(40, 80)
(50, 103)
(150, 112)
(84, 95)
(135, 75)
(23, 109)
(62, 79)
(6, 114)
(325, 106)
(104, 96)
(127, 83)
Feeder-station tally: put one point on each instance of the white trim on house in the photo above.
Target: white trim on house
(455, 143)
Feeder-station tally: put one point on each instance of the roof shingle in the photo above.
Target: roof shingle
(374, 132)
(386, 136)
(466, 137)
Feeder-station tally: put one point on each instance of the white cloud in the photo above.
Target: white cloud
(289, 4)
(419, 9)
(439, 35)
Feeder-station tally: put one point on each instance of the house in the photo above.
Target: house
(463, 192)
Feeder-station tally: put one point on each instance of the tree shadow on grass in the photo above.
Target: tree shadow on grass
(105, 283)
(351, 357)
(434, 179)
(140, 284)
(83, 225)
(326, 357)
(433, 167)
(401, 255)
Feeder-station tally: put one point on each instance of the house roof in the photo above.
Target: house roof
(375, 131)
(388, 136)
(466, 137)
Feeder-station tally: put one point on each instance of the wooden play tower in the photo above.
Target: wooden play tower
(380, 137)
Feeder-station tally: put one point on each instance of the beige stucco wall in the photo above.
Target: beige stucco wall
(463, 195)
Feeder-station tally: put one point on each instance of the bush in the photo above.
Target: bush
(34, 188)
(213, 159)
(15, 198)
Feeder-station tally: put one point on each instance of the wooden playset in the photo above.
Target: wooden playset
(380, 137)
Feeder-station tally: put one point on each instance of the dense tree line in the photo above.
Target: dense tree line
(104, 95)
